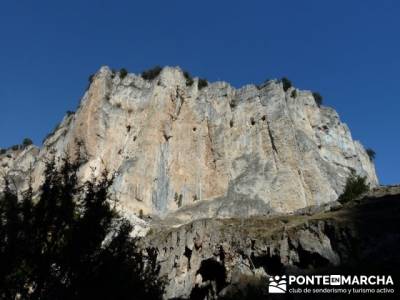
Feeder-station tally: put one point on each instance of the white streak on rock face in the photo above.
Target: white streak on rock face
(222, 151)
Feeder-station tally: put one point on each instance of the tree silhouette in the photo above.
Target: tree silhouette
(355, 187)
(68, 242)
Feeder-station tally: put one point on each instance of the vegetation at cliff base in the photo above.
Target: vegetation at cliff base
(68, 242)
(355, 186)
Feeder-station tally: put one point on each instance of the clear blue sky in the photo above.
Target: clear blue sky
(349, 51)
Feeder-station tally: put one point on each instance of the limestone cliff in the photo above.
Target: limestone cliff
(190, 153)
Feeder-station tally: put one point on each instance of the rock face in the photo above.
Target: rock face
(18, 164)
(214, 152)
(221, 257)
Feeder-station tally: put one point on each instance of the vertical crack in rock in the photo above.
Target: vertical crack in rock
(275, 150)
(161, 190)
(271, 138)
(209, 133)
(179, 103)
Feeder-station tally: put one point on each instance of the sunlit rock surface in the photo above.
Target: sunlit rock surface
(187, 153)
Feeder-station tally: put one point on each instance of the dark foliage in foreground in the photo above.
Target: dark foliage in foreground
(355, 187)
(69, 243)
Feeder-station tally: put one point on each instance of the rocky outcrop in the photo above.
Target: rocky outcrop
(217, 257)
(184, 152)
(18, 165)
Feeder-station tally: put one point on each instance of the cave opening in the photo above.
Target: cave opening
(271, 263)
(188, 254)
(212, 270)
(310, 260)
